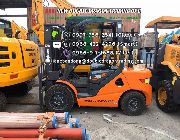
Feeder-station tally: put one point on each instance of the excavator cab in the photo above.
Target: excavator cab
(166, 69)
(5, 28)
(110, 86)
(8, 31)
(12, 30)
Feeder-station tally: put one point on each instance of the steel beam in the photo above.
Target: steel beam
(13, 15)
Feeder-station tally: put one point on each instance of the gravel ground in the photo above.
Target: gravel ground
(153, 124)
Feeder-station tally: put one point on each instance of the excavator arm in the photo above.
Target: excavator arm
(38, 19)
(23, 33)
(18, 32)
(38, 15)
(63, 4)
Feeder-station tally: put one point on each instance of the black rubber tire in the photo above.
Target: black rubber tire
(133, 109)
(169, 106)
(56, 92)
(3, 101)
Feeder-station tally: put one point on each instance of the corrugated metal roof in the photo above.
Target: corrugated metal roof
(15, 3)
(165, 22)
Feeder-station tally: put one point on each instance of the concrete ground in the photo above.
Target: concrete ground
(153, 124)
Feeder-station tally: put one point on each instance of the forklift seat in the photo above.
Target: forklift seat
(98, 66)
(99, 74)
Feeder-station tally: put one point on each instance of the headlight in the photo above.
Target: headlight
(147, 81)
(174, 80)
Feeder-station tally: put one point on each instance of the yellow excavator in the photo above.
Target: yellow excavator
(19, 58)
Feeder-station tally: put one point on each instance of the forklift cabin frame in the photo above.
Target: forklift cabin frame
(48, 75)
(164, 22)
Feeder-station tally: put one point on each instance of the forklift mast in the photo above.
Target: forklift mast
(156, 46)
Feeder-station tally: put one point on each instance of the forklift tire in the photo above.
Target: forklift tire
(59, 98)
(133, 103)
(3, 101)
(164, 97)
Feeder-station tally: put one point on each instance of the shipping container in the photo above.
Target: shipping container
(129, 20)
(147, 40)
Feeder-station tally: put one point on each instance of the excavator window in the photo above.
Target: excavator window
(5, 28)
(2, 26)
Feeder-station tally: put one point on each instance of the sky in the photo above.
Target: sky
(151, 9)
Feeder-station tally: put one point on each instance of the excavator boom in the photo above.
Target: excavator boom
(16, 30)
(38, 19)
(62, 4)
(38, 15)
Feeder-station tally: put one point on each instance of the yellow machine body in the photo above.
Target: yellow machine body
(172, 58)
(19, 60)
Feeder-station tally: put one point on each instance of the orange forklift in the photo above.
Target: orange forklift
(108, 84)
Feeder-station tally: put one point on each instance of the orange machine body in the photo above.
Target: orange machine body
(110, 94)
